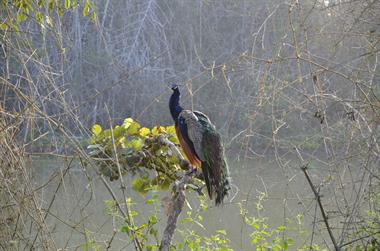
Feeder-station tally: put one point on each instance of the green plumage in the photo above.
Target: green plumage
(214, 164)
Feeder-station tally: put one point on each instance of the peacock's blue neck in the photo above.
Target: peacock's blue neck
(175, 108)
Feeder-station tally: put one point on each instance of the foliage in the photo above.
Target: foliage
(91, 243)
(191, 229)
(136, 150)
(145, 227)
(193, 241)
(41, 11)
(371, 226)
(147, 231)
(262, 236)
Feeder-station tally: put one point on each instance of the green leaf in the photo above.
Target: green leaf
(158, 130)
(152, 220)
(14, 26)
(127, 122)
(86, 8)
(3, 26)
(133, 128)
(165, 184)
(171, 130)
(221, 231)
(281, 228)
(174, 139)
(141, 184)
(118, 131)
(107, 133)
(135, 144)
(186, 220)
(93, 17)
(122, 142)
(144, 132)
(51, 5)
(39, 17)
(153, 231)
(27, 7)
(67, 4)
(150, 202)
(125, 229)
(96, 129)
(21, 17)
(41, 3)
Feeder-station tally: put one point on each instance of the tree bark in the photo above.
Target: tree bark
(178, 199)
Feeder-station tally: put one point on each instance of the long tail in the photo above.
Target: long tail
(215, 168)
(217, 183)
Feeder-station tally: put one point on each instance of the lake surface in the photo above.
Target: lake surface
(79, 207)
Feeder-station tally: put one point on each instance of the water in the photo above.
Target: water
(78, 212)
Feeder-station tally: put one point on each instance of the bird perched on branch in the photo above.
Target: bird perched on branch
(202, 146)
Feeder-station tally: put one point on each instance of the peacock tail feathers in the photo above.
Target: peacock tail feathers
(214, 165)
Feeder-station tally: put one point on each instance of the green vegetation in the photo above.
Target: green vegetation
(41, 11)
(136, 150)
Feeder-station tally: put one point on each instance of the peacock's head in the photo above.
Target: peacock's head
(174, 87)
(174, 105)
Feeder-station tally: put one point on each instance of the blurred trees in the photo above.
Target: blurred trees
(221, 50)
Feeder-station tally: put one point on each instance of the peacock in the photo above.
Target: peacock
(202, 146)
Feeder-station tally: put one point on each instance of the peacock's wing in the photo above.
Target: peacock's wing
(205, 143)
(214, 164)
(193, 130)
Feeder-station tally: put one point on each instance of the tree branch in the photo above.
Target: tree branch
(178, 199)
(178, 202)
(324, 216)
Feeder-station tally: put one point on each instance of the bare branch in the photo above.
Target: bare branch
(324, 216)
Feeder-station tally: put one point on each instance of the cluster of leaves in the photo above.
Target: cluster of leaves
(41, 11)
(265, 237)
(137, 150)
(193, 240)
(372, 225)
(91, 243)
(144, 228)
